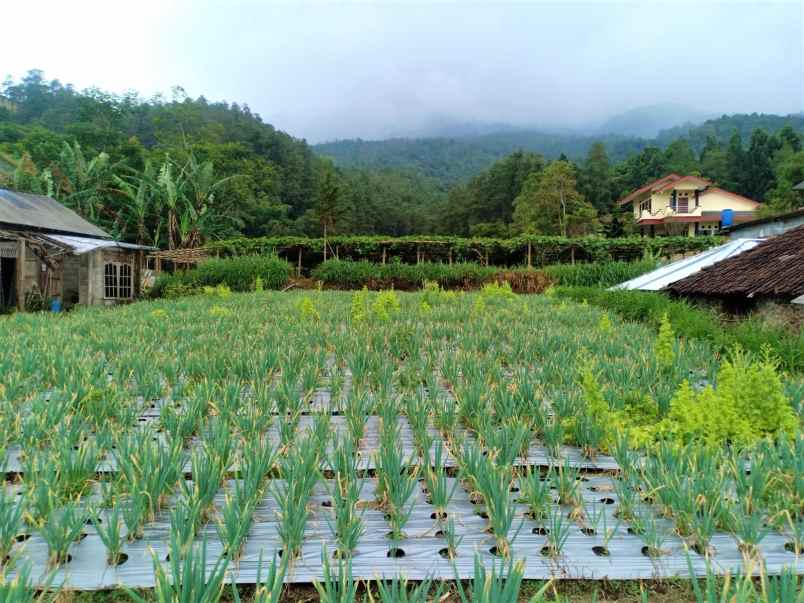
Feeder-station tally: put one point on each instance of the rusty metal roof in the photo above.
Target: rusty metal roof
(772, 269)
(43, 213)
(675, 271)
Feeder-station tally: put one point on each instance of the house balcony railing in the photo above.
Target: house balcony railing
(666, 212)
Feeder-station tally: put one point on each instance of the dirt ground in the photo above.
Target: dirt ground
(668, 591)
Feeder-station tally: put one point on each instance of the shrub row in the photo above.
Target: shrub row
(348, 274)
(597, 274)
(516, 251)
(355, 275)
(237, 273)
(695, 322)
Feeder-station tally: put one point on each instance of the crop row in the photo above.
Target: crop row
(193, 387)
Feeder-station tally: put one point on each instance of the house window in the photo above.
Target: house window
(708, 228)
(683, 203)
(645, 206)
(117, 281)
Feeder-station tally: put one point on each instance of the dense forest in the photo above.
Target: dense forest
(451, 160)
(176, 172)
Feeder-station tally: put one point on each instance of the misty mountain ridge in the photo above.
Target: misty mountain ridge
(649, 121)
(452, 159)
(640, 122)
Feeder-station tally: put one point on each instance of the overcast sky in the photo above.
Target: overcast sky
(373, 69)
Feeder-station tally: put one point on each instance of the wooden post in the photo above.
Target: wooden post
(530, 263)
(450, 256)
(21, 265)
(383, 255)
(572, 255)
(298, 263)
(418, 254)
(487, 257)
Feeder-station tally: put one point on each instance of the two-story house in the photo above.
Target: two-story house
(691, 205)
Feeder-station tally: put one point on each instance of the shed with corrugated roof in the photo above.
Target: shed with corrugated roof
(51, 256)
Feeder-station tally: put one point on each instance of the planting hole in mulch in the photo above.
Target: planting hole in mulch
(444, 553)
(607, 501)
(652, 553)
(635, 531)
(82, 536)
(513, 489)
(24, 537)
(495, 551)
(483, 514)
(588, 531)
(326, 503)
(791, 547)
(600, 551)
(548, 551)
(438, 515)
(395, 553)
(703, 552)
(121, 559)
(541, 531)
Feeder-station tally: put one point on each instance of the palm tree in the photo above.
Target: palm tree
(83, 184)
(25, 176)
(139, 191)
(202, 187)
(171, 194)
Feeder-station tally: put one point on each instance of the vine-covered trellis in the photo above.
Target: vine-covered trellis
(524, 250)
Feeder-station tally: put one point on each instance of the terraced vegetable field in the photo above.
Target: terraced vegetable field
(335, 436)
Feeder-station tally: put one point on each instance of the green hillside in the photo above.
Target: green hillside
(452, 160)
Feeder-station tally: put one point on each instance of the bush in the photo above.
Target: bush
(238, 274)
(597, 274)
(356, 275)
(748, 404)
(693, 322)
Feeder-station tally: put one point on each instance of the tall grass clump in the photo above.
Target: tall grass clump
(693, 322)
(598, 274)
(238, 273)
(355, 275)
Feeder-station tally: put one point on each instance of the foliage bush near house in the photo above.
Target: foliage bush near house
(748, 403)
(348, 274)
(238, 273)
(597, 274)
(692, 322)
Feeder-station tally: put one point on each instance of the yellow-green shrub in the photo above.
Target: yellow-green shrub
(665, 355)
(748, 403)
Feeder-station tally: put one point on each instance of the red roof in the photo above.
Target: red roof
(671, 180)
(648, 187)
(674, 183)
(722, 191)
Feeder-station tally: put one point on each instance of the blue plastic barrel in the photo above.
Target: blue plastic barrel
(726, 218)
(55, 304)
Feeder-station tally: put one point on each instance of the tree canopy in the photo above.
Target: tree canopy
(177, 171)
